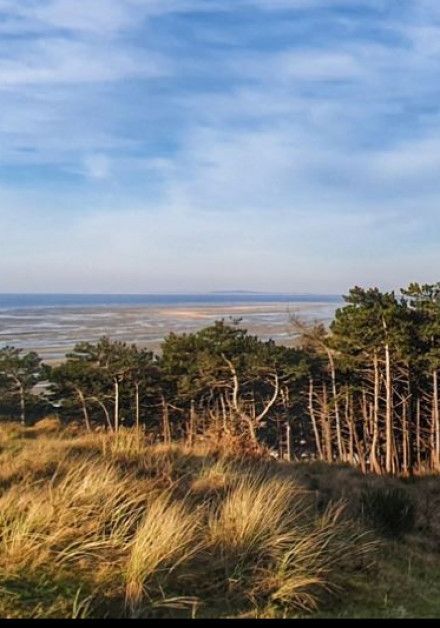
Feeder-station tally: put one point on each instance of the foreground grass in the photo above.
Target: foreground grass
(406, 586)
(102, 526)
(405, 580)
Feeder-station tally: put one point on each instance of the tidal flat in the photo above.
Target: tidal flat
(53, 331)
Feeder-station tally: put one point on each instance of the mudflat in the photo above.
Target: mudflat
(53, 331)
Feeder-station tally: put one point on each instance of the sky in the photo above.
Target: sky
(198, 145)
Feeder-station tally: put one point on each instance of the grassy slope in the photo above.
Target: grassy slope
(91, 526)
(407, 585)
(406, 578)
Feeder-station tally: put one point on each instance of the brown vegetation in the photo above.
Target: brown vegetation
(108, 525)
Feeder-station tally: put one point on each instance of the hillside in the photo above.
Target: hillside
(102, 525)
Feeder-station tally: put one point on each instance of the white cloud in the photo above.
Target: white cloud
(297, 158)
(417, 160)
(97, 166)
(324, 66)
(274, 5)
(100, 18)
(66, 61)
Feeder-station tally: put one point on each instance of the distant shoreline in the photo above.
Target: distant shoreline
(9, 301)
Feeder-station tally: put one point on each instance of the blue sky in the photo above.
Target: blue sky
(195, 145)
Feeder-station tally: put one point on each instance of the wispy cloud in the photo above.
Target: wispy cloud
(65, 61)
(100, 17)
(97, 166)
(289, 144)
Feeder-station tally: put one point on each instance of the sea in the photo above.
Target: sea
(51, 324)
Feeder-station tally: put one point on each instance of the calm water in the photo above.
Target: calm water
(12, 301)
(52, 324)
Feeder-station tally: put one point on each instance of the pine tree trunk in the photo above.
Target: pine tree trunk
(389, 458)
(280, 438)
(432, 439)
(165, 422)
(22, 405)
(367, 428)
(410, 424)
(84, 408)
(253, 407)
(359, 444)
(116, 408)
(340, 444)
(375, 466)
(325, 421)
(224, 414)
(288, 442)
(192, 423)
(405, 457)
(106, 413)
(252, 432)
(418, 453)
(436, 419)
(313, 419)
(136, 402)
(349, 421)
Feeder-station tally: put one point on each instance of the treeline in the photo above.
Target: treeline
(363, 391)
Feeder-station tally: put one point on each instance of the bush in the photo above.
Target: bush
(390, 510)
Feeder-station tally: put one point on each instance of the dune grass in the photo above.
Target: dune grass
(96, 525)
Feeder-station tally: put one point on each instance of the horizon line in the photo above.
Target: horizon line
(186, 293)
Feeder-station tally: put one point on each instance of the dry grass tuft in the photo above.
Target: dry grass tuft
(254, 515)
(167, 536)
(48, 425)
(100, 524)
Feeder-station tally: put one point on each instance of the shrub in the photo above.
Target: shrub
(49, 424)
(390, 510)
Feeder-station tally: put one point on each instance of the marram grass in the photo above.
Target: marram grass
(94, 526)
